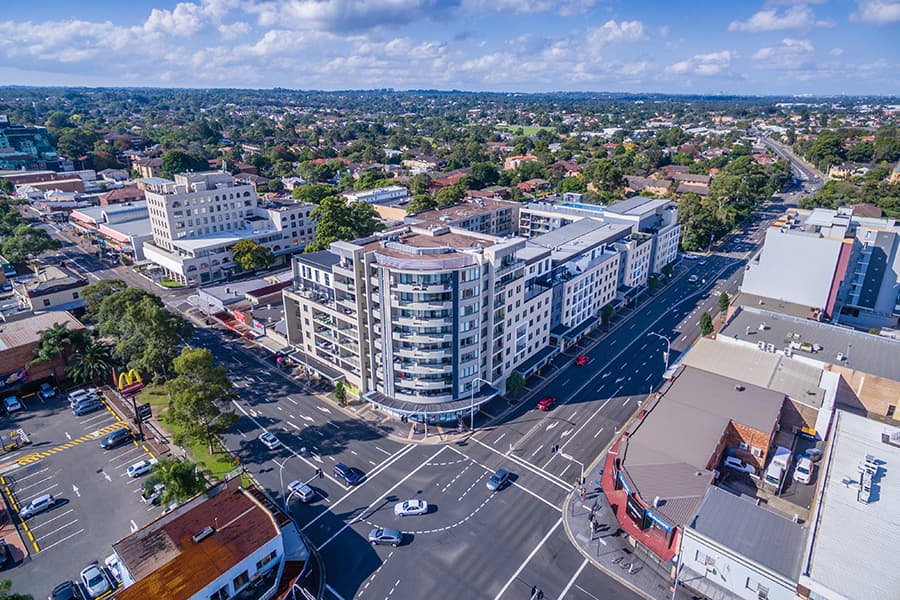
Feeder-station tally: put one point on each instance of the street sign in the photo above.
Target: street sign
(144, 411)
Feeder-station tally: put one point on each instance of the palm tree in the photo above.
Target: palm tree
(56, 340)
(92, 363)
(182, 478)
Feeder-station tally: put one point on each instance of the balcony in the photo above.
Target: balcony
(419, 384)
(416, 322)
(416, 353)
(431, 289)
(422, 338)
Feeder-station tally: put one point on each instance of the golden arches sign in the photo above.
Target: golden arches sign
(129, 378)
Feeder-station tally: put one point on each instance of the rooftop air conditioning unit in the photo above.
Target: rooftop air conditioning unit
(203, 534)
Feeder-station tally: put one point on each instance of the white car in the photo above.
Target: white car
(269, 440)
(803, 471)
(141, 468)
(112, 565)
(410, 507)
(733, 462)
(303, 492)
(95, 581)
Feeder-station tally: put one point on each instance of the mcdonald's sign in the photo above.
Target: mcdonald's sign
(130, 382)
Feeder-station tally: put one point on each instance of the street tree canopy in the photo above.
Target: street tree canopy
(312, 192)
(182, 478)
(27, 242)
(176, 161)
(251, 255)
(336, 220)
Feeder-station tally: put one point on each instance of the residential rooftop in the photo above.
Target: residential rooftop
(576, 238)
(637, 206)
(860, 351)
(459, 212)
(853, 545)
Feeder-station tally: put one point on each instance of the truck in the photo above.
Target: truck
(778, 466)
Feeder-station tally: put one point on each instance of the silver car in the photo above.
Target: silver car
(95, 581)
(382, 536)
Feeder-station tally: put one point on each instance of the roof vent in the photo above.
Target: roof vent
(203, 534)
(739, 388)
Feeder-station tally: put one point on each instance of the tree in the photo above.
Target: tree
(91, 363)
(365, 219)
(200, 395)
(176, 161)
(182, 478)
(484, 174)
(706, 324)
(418, 183)
(27, 242)
(340, 394)
(335, 221)
(724, 301)
(449, 195)
(607, 314)
(420, 203)
(58, 340)
(7, 594)
(96, 292)
(515, 383)
(251, 255)
(312, 192)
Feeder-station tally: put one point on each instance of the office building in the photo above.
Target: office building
(198, 217)
(25, 147)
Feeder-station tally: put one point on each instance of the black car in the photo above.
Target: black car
(116, 438)
(350, 475)
(67, 591)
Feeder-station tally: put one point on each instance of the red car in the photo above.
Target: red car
(582, 360)
(546, 403)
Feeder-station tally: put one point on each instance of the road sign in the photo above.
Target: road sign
(144, 411)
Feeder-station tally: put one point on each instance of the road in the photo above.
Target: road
(474, 543)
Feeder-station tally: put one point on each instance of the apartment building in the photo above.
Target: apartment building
(421, 322)
(378, 195)
(480, 215)
(198, 217)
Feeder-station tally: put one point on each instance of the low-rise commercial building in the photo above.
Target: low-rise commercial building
(18, 340)
(381, 195)
(120, 228)
(51, 289)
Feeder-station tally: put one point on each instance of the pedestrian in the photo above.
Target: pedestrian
(533, 591)
(540, 595)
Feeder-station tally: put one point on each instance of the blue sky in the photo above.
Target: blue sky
(708, 46)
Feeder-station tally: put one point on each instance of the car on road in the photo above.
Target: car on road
(803, 471)
(410, 507)
(141, 468)
(302, 491)
(498, 480)
(116, 438)
(582, 360)
(11, 404)
(86, 408)
(68, 590)
(546, 403)
(269, 440)
(47, 391)
(733, 462)
(95, 581)
(36, 506)
(382, 536)
(350, 475)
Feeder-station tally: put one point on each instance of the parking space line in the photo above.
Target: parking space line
(40, 493)
(39, 482)
(58, 542)
(569, 585)
(38, 472)
(57, 530)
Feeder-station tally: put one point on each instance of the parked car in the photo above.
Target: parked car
(302, 491)
(410, 507)
(86, 408)
(95, 581)
(83, 395)
(546, 403)
(12, 404)
(141, 468)
(582, 360)
(151, 495)
(47, 391)
(383, 536)
(116, 438)
(37, 506)
(112, 565)
(67, 590)
(269, 440)
(733, 462)
(498, 480)
(350, 475)
(803, 471)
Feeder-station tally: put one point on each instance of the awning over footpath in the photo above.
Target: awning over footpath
(405, 407)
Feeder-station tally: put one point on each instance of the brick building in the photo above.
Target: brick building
(18, 339)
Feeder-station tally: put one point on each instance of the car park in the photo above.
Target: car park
(47, 391)
(116, 438)
(702, 261)
(498, 480)
(546, 403)
(733, 462)
(302, 491)
(87, 407)
(68, 590)
(269, 440)
(152, 494)
(582, 360)
(410, 507)
(12, 404)
(381, 536)
(350, 475)
(37, 506)
(95, 581)
(81, 395)
(141, 467)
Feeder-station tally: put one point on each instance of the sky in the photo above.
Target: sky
(747, 47)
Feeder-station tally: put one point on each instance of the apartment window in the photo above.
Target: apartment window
(266, 560)
(240, 581)
(890, 410)
(220, 594)
(75, 295)
(757, 452)
(46, 302)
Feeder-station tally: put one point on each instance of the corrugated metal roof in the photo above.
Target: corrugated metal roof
(26, 331)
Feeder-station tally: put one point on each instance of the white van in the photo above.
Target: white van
(777, 468)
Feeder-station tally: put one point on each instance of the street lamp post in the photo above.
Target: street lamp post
(576, 461)
(668, 346)
(281, 479)
(472, 402)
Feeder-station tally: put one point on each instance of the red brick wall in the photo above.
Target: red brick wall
(20, 356)
(735, 434)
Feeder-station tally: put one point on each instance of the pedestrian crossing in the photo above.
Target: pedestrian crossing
(36, 456)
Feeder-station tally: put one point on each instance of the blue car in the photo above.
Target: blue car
(350, 475)
(87, 407)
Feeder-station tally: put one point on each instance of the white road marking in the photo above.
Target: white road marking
(524, 463)
(68, 437)
(566, 382)
(324, 409)
(620, 380)
(134, 526)
(605, 375)
(551, 425)
(107, 477)
(294, 425)
(332, 591)
(383, 451)
(278, 407)
(569, 585)
(305, 418)
(58, 542)
(528, 559)
(75, 490)
(502, 435)
(566, 432)
(599, 431)
(292, 400)
(626, 401)
(538, 449)
(48, 521)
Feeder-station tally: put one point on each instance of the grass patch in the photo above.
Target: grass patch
(170, 283)
(528, 130)
(217, 464)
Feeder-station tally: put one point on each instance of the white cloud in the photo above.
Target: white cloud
(562, 7)
(880, 12)
(712, 63)
(233, 31)
(341, 15)
(836, 52)
(791, 55)
(184, 20)
(612, 32)
(795, 17)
